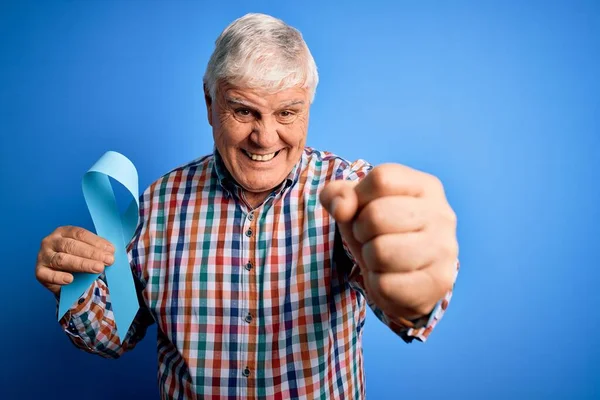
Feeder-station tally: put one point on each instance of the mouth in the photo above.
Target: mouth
(261, 157)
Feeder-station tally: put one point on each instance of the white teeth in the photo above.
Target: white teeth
(258, 157)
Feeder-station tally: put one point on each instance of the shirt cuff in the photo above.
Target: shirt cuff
(72, 322)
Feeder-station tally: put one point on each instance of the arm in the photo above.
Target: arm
(90, 324)
(401, 293)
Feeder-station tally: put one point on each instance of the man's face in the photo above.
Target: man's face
(260, 136)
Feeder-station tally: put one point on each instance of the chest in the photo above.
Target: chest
(215, 266)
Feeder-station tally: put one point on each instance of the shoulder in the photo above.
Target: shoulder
(333, 166)
(181, 178)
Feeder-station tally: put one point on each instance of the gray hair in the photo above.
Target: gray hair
(262, 52)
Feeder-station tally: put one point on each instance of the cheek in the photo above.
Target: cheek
(296, 134)
(229, 131)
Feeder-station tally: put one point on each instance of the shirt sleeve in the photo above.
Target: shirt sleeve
(90, 323)
(408, 330)
(91, 327)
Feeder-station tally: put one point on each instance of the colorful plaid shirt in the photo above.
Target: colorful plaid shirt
(249, 303)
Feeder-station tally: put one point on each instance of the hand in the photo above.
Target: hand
(402, 232)
(71, 249)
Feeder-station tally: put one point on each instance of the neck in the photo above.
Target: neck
(255, 199)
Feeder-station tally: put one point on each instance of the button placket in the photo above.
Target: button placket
(251, 236)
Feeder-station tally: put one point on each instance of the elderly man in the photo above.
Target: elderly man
(257, 262)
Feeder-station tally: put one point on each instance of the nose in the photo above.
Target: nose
(265, 134)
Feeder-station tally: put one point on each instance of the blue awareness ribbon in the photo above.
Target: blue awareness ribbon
(115, 227)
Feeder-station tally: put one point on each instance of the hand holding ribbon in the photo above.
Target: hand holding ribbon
(117, 229)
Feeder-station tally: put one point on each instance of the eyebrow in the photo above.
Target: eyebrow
(237, 101)
(292, 103)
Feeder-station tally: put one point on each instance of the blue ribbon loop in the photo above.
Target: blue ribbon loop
(117, 229)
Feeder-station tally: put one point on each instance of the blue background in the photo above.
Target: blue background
(499, 99)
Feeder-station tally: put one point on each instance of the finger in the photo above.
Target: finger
(82, 249)
(399, 252)
(69, 263)
(396, 180)
(415, 292)
(339, 199)
(390, 214)
(83, 235)
(48, 277)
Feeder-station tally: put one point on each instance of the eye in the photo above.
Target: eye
(243, 114)
(286, 116)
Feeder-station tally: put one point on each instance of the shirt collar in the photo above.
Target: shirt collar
(229, 185)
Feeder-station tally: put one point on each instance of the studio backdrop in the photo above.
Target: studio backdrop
(500, 100)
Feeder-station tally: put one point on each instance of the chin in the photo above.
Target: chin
(260, 185)
(259, 188)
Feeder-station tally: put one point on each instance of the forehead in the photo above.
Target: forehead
(262, 98)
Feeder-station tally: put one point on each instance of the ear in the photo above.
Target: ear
(209, 103)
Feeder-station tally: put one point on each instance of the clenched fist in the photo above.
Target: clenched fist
(71, 249)
(401, 230)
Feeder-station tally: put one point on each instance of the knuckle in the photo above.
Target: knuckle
(386, 288)
(445, 282)
(46, 242)
(88, 265)
(376, 253)
(375, 215)
(68, 246)
(423, 309)
(53, 277)
(434, 181)
(452, 217)
(59, 260)
(449, 249)
(38, 274)
(79, 264)
(40, 256)
(79, 234)
(367, 220)
(95, 255)
(379, 178)
(444, 278)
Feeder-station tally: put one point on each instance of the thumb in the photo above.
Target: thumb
(340, 200)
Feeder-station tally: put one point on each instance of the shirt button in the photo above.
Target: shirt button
(248, 318)
(248, 266)
(250, 216)
(249, 232)
(246, 372)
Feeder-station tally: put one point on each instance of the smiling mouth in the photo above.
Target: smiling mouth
(261, 157)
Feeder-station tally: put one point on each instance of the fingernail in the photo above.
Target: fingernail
(109, 259)
(109, 248)
(68, 279)
(97, 268)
